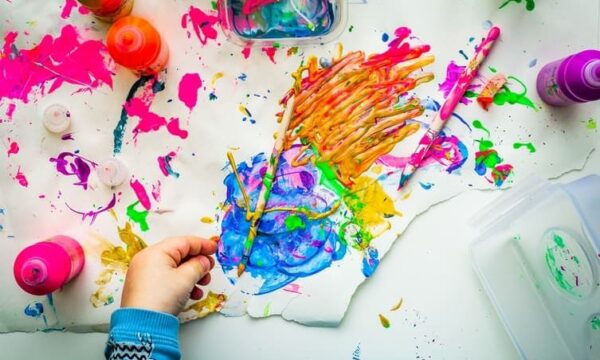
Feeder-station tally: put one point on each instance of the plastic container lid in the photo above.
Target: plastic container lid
(538, 260)
(133, 42)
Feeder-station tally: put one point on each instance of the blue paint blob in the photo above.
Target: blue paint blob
(34, 310)
(370, 261)
(426, 186)
(212, 96)
(463, 54)
(243, 77)
(279, 255)
(533, 63)
(385, 37)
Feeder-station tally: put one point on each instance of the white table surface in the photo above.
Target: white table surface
(445, 314)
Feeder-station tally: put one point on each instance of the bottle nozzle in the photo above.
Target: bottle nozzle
(34, 272)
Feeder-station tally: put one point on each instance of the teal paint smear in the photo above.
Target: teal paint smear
(528, 145)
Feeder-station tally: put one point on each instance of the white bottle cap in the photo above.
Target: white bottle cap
(56, 118)
(112, 172)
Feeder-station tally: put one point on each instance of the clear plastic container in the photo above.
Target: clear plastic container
(538, 258)
(282, 22)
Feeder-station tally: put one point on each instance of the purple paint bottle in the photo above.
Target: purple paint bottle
(574, 79)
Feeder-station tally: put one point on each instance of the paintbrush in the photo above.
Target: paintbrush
(265, 191)
(458, 91)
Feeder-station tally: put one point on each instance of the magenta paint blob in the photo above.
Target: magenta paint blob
(574, 79)
(48, 265)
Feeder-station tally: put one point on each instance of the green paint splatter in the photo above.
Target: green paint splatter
(471, 94)
(294, 222)
(351, 28)
(596, 323)
(558, 240)
(213, 4)
(139, 217)
(529, 4)
(591, 124)
(478, 125)
(493, 69)
(267, 310)
(528, 145)
(276, 45)
(506, 95)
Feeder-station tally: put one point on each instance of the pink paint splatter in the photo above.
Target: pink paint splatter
(53, 62)
(156, 190)
(398, 50)
(201, 23)
(246, 52)
(448, 151)
(294, 288)
(71, 164)
(13, 148)
(10, 111)
(93, 214)
(21, 178)
(188, 89)
(164, 163)
(67, 8)
(150, 121)
(270, 52)
(453, 73)
(141, 193)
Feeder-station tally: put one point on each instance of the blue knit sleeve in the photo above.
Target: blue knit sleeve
(138, 334)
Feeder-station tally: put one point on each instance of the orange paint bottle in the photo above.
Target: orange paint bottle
(134, 43)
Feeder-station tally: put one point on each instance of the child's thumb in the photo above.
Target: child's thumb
(194, 268)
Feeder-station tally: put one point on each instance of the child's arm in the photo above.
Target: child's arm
(160, 280)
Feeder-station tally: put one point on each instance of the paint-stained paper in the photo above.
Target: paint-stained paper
(334, 210)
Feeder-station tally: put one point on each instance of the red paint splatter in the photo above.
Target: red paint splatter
(50, 64)
(201, 23)
(270, 52)
(141, 193)
(13, 148)
(188, 89)
(246, 52)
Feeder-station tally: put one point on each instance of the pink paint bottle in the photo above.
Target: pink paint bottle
(48, 265)
(574, 79)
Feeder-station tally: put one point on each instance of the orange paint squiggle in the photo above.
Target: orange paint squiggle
(349, 113)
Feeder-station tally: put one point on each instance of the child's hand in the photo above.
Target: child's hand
(164, 276)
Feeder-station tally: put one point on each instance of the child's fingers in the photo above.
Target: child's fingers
(194, 269)
(178, 248)
(205, 280)
(196, 293)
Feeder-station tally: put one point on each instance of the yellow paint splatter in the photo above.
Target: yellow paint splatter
(115, 259)
(406, 196)
(373, 206)
(384, 321)
(216, 77)
(398, 305)
(207, 220)
(213, 302)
